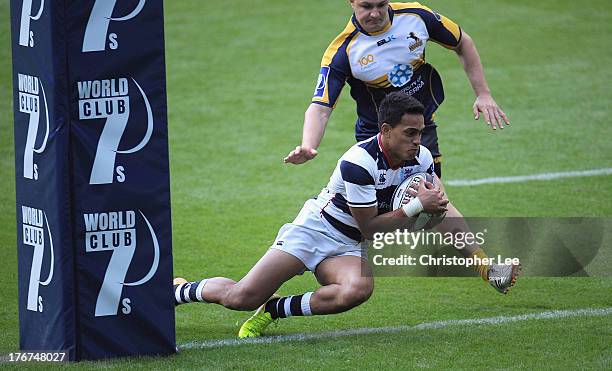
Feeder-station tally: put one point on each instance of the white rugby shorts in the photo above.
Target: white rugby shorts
(311, 239)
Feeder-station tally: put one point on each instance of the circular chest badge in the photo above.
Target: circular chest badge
(400, 74)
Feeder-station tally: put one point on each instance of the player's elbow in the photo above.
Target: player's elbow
(368, 235)
(366, 231)
(319, 111)
(466, 43)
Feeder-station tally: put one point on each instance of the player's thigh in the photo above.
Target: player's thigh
(268, 274)
(352, 271)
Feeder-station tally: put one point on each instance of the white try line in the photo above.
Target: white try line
(555, 314)
(526, 178)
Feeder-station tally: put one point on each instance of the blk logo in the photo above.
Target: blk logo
(96, 33)
(109, 99)
(26, 36)
(34, 225)
(30, 91)
(116, 231)
(387, 39)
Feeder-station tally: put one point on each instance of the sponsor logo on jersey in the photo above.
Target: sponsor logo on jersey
(387, 39)
(417, 42)
(322, 82)
(415, 86)
(381, 178)
(96, 33)
(30, 91)
(383, 206)
(110, 99)
(367, 62)
(407, 171)
(366, 59)
(116, 232)
(26, 36)
(400, 74)
(36, 232)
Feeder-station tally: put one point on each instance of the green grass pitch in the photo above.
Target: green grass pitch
(239, 77)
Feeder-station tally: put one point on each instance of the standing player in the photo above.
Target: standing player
(382, 49)
(326, 236)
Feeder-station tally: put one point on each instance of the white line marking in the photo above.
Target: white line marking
(555, 314)
(526, 178)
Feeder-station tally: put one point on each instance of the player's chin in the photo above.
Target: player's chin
(374, 25)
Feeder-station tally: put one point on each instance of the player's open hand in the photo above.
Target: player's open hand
(300, 155)
(493, 115)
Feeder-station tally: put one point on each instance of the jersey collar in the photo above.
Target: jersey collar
(387, 27)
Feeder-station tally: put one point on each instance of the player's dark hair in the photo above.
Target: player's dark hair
(395, 105)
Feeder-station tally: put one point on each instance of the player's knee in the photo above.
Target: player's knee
(356, 292)
(242, 298)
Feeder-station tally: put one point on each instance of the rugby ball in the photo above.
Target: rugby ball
(402, 196)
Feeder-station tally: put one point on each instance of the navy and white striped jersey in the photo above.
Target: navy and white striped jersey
(363, 178)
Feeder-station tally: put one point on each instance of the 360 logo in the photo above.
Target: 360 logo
(26, 36)
(30, 90)
(34, 221)
(97, 27)
(110, 99)
(116, 231)
(364, 61)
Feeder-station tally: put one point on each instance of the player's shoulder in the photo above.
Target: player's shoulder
(425, 13)
(424, 155)
(339, 43)
(425, 160)
(363, 153)
(399, 7)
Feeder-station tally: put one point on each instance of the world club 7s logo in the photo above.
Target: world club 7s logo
(109, 99)
(97, 26)
(26, 36)
(116, 231)
(34, 223)
(30, 91)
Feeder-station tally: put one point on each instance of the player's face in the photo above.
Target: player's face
(372, 15)
(402, 141)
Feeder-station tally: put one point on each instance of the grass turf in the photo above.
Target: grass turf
(239, 79)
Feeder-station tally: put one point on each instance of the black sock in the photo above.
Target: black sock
(189, 292)
(288, 306)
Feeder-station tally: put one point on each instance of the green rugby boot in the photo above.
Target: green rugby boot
(257, 324)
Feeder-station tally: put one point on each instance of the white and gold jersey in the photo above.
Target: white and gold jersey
(392, 59)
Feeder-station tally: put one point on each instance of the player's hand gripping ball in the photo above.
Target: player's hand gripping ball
(407, 190)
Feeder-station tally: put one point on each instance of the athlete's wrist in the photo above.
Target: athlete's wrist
(413, 207)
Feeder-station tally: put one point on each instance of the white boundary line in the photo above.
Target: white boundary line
(526, 178)
(490, 321)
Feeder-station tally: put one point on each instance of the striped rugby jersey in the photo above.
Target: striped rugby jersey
(393, 59)
(363, 178)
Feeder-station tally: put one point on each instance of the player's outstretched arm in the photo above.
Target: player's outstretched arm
(315, 121)
(468, 55)
(369, 222)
